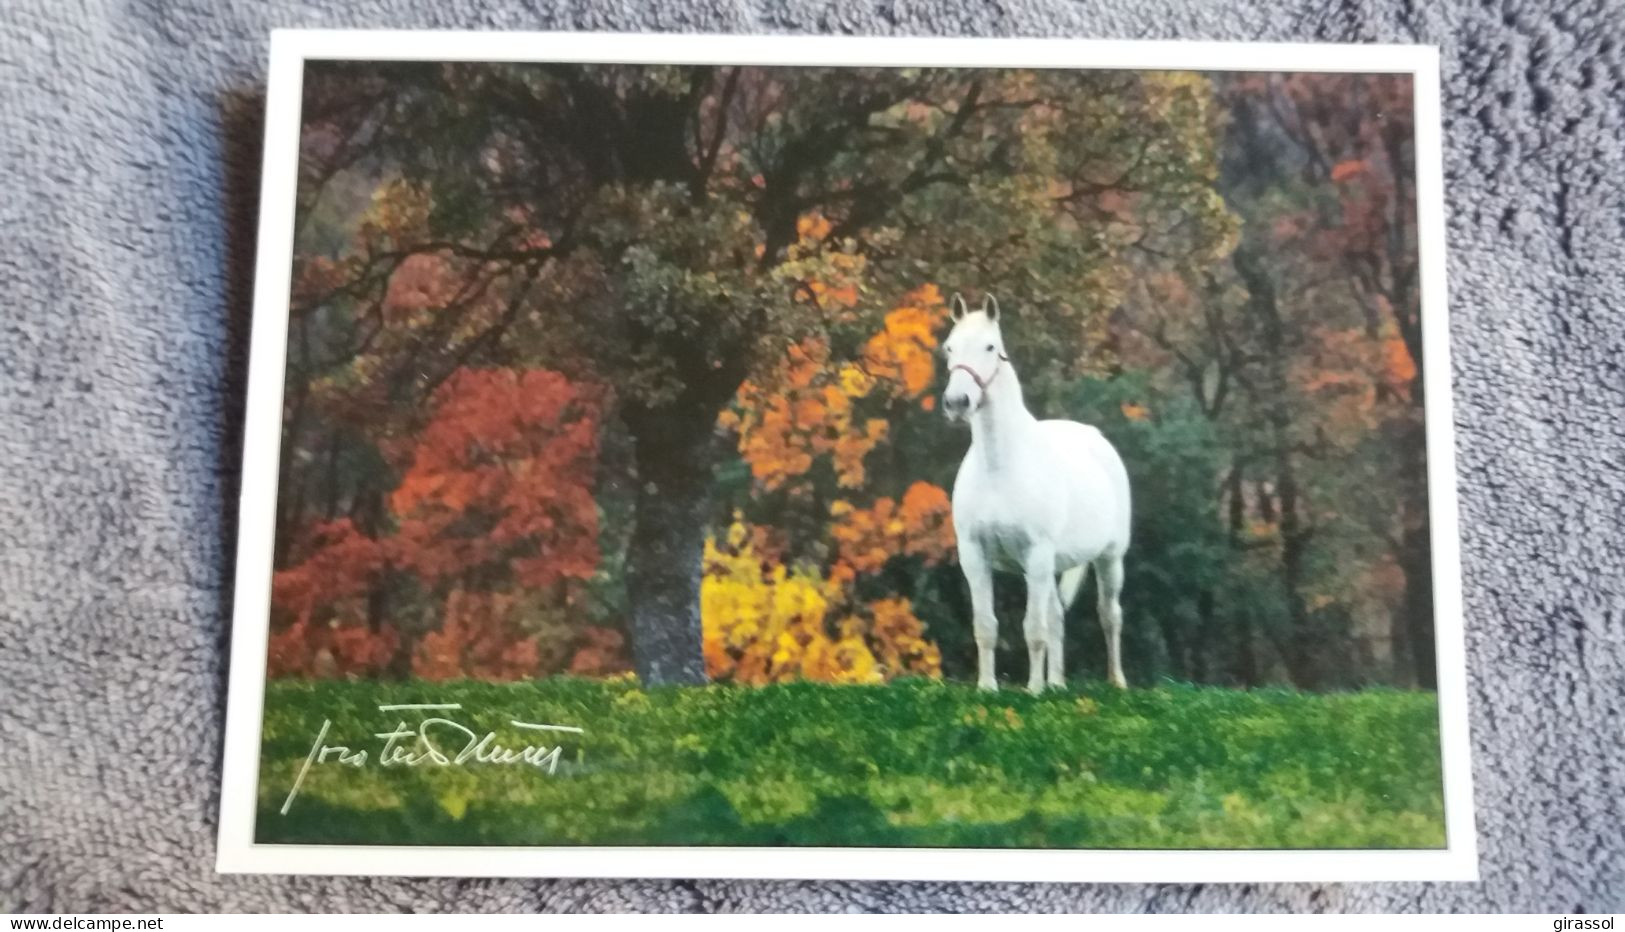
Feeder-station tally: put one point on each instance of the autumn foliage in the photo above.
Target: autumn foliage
(768, 617)
(765, 622)
(496, 490)
(500, 480)
(532, 368)
(477, 639)
(920, 525)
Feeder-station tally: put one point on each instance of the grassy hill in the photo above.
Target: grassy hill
(914, 763)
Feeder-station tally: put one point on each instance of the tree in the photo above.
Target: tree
(1349, 140)
(669, 233)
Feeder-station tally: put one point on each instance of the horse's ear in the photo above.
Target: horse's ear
(990, 307)
(957, 307)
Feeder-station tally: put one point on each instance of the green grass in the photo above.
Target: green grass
(914, 763)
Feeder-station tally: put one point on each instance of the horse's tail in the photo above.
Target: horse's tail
(1071, 581)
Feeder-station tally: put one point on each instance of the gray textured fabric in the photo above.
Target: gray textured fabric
(130, 139)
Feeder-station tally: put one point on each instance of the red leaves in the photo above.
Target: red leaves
(499, 489)
(316, 650)
(502, 474)
(421, 282)
(602, 653)
(341, 565)
(478, 639)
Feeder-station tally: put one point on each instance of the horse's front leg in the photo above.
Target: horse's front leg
(1042, 598)
(979, 575)
(1057, 642)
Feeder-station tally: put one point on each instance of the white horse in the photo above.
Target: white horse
(1036, 497)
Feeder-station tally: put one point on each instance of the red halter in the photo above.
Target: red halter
(980, 382)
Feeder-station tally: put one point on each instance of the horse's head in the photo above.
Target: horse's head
(974, 352)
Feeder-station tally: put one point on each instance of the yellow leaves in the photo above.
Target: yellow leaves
(855, 383)
(454, 802)
(399, 211)
(766, 623)
(1004, 719)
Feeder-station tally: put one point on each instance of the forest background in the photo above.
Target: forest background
(600, 370)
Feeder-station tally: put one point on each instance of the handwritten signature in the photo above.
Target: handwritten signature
(436, 741)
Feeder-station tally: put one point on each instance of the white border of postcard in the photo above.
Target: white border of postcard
(290, 49)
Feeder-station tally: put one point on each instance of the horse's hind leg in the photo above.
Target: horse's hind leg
(1066, 591)
(979, 576)
(1109, 580)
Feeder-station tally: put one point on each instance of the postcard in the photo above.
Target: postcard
(730, 456)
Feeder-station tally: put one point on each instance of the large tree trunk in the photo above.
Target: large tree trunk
(1247, 656)
(1304, 643)
(1416, 553)
(674, 449)
(1301, 645)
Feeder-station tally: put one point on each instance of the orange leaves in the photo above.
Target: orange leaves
(805, 408)
(810, 413)
(812, 226)
(1398, 367)
(1347, 169)
(804, 412)
(898, 638)
(922, 525)
(502, 474)
(421, 283)
(852, 446)
(1356, 377)
(765, 621)
(903, 352)
(827, 272)
(477, 639)
(1134, 412)
(845, 295)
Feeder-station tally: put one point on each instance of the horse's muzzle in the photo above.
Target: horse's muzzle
(956, 405)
